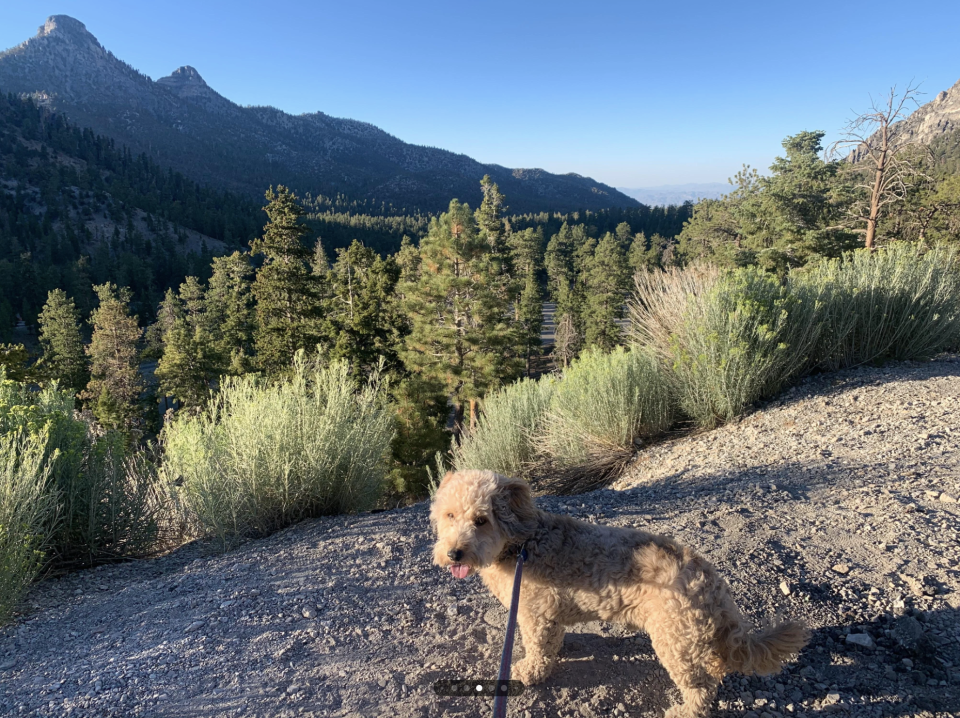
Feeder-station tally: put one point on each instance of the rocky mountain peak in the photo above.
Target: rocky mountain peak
(66, 27)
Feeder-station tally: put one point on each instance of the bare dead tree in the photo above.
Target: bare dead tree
(870, 138)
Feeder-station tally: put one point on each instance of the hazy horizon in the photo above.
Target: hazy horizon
(632, 96)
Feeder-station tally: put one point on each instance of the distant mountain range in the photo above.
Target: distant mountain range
(677, 193)
(181, 122)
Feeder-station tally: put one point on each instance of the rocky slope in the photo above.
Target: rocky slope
(180, 121)
(835, 504)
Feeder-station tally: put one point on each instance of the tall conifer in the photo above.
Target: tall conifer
(288, 294)
(63, 355)
(115, 386)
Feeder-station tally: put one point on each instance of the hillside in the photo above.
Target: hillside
(182, 122)
(77, 210)
(835, 503)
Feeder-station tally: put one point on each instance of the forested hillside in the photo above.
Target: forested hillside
(77, 210)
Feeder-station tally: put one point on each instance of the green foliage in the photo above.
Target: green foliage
(571, 432)
(364, 321)
(63, 355)
(420, 415)
(107, 500)
(793, 216)
(87, 211)
(603, 402)
(230, 313)
(262, 456)
(113, 392)
(739, 340)
(15, 361)
(289, 295)
(606, 281)
(461, 336)
(508, 435)
(27, 514)
(899, 302)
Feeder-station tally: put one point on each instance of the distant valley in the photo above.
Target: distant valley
(668, 194)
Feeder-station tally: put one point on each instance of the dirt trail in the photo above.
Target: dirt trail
(836, 504)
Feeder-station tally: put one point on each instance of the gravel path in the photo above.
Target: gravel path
(836, 504)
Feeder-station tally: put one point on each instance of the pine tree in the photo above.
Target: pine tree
(289, 296)
(189, 362)
(365, 323)
(63, 355)
(559, 260)
(115, 385)
(230, 313)
(527, 261)
(460, 336)
(605, 279)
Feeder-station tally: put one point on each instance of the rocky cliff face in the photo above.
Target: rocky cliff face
(938, 117)
(181, 121)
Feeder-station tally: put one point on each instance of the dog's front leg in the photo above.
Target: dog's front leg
(542, 638)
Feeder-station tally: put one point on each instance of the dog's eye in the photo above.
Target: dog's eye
(449, 516)
(480, 521)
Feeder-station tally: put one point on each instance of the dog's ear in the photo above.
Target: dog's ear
(446, 477)
(514, 509)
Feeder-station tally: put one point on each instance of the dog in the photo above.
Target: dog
(578, 571)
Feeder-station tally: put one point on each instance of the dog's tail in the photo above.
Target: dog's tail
(763, 652)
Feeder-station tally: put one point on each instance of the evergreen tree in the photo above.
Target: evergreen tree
(115, 385)
(606, 279)
(63, 355)
(230, 313)
(527, 260)
(289, 296)
(364, 320)
(460, 335)
(558, 261)
(189, 363)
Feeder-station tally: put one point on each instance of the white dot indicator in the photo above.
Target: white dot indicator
(479, 688)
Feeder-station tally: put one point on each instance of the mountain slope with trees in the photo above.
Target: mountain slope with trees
(181, 122)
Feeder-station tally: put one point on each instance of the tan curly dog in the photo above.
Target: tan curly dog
(579, 571)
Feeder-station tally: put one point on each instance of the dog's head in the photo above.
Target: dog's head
(476, 515)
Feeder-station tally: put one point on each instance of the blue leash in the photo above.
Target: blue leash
(500, 699)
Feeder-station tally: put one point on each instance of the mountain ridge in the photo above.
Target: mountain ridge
(180, 121)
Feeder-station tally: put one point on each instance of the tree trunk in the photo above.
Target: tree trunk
(457, 422)
(474, 414)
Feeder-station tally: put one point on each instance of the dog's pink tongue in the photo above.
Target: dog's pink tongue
(459, 570)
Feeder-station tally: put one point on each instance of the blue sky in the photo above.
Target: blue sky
(631, 93)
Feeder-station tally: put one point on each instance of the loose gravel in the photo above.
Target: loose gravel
(836, 504)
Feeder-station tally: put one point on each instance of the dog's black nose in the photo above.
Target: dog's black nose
(455, 554)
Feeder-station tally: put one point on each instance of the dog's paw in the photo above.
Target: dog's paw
(677, 711)
(531, 672)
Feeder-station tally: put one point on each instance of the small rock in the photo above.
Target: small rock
(785, 588)
(309, 613)
(860, 639)
(908, 663)
(840, 568)
(194, 626)
(948, 499)
(831, 699)
(908, 635)
(8, 664)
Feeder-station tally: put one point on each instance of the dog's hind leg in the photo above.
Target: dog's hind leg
(682, 643)
(542, 638)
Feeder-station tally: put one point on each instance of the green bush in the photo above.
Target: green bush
(741, 340)
(603, 402)
(507, 435)
(108, 498)
(571, 432)
(898, 302)
(27, 514)
(262, 456)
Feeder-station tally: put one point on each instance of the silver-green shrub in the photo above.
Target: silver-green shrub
(506, 438)
(898, 302)
(603, 402)
(27, 513)
(739, 339)
(263, 455)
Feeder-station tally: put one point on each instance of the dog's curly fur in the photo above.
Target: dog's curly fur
(579, 571)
